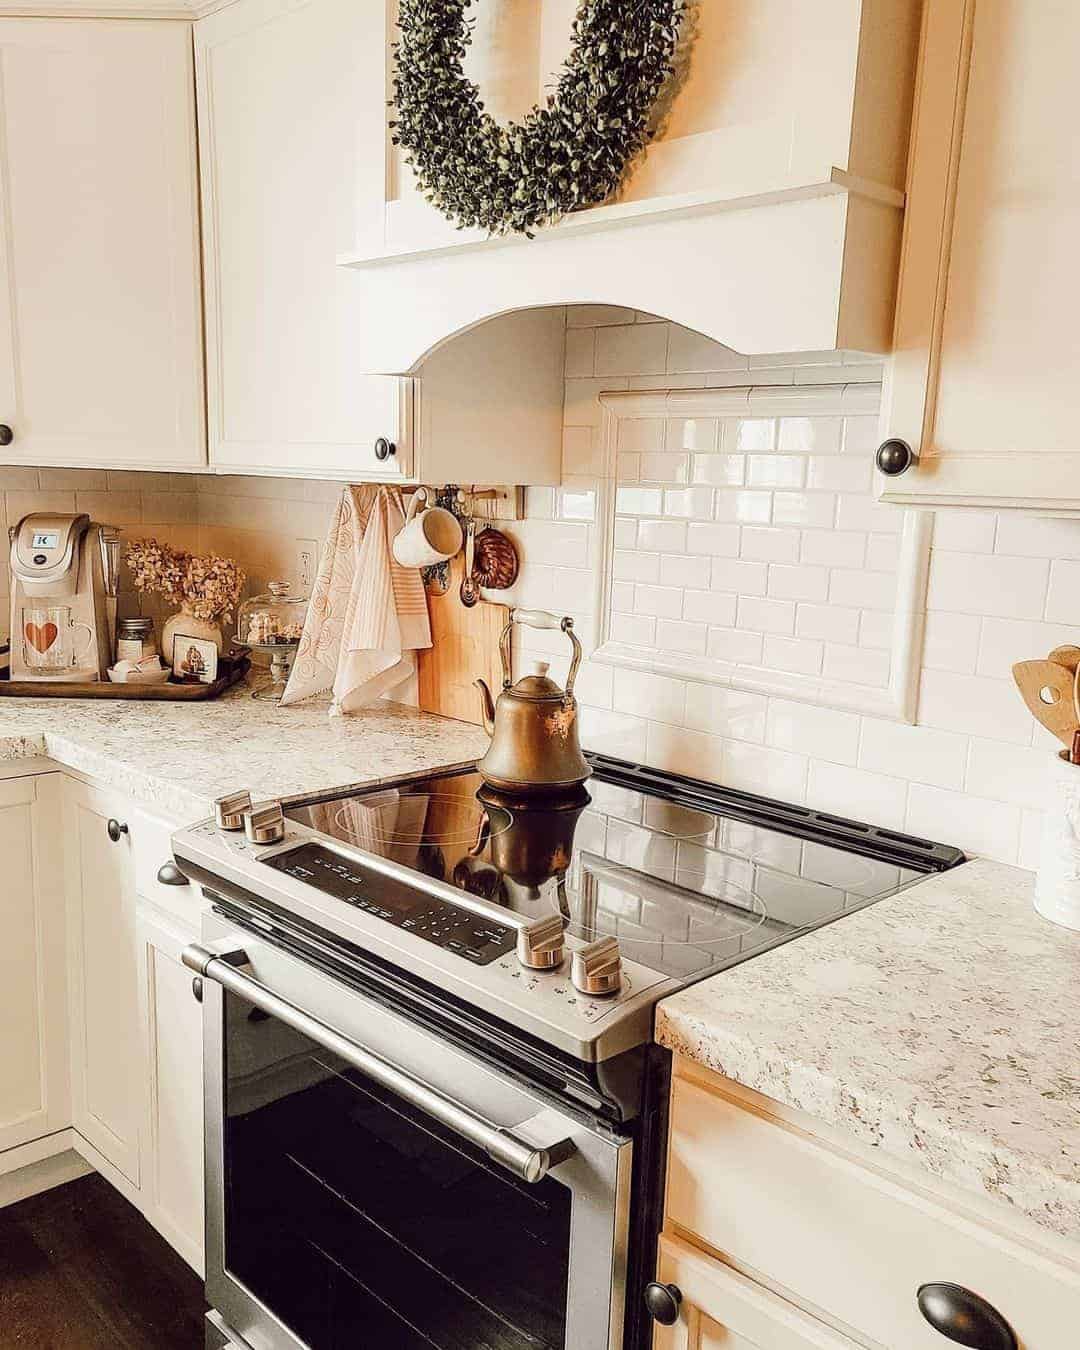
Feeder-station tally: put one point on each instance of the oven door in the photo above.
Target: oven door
(368, 1184)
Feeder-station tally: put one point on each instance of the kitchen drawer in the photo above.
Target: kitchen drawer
(841, 1237)
(150, 847)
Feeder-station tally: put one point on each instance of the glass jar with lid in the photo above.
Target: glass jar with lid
(135, 639)
(272, 623)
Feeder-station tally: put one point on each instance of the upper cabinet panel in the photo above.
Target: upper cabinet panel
(778, 173)
(100, 308)
(292, 112)
(983, 385)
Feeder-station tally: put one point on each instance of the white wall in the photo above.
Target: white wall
(1003, 587)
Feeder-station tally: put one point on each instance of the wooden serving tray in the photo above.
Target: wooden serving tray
(230, 673)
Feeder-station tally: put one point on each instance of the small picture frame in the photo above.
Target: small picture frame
(194, 659)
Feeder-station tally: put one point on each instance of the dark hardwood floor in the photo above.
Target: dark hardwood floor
(81, 1269)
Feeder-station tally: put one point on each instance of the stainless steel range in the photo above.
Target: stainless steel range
(434, 1113)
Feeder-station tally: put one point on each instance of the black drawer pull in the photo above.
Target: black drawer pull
(170, 875)
(116, 830)
(964, 1318)
(662, 1301)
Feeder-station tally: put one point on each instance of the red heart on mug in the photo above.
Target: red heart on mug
(41, 638)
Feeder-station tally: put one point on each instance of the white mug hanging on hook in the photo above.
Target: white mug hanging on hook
(429, 536)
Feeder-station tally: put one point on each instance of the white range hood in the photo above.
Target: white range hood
(767, 215)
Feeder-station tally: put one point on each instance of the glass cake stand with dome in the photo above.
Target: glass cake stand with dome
(272, 623)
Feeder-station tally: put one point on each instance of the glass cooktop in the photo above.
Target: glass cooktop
(690, 878)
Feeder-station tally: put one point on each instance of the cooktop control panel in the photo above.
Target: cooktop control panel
(446, 925)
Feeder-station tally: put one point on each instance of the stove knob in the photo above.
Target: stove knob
(265, 823)
(229, 810)
(541, 945)
(597, 968)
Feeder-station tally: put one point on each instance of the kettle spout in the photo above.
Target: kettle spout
(487, 706)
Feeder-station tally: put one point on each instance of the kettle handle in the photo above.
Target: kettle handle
(540, 618)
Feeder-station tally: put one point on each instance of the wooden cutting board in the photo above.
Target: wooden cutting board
(465, 647)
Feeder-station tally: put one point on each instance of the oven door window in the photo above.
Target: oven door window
(357, 1221)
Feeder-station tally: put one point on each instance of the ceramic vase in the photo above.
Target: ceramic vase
(189, 624)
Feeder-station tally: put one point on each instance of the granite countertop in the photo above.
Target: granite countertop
(176, 758)
(942, 1026)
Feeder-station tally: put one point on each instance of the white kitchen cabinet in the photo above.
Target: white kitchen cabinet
(292, 111)
(100, 306)
(767, 213)
(723, 1310)
(839, 1232)
(172, 1173)
(983, 383)
(33, 1061)
(108, 1086)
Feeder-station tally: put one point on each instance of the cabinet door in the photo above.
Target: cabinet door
(723, 1310)
(100, 310)
(33, 1061)
(292, 111)
(172, 1182)
(107, 1084)
(983, 381)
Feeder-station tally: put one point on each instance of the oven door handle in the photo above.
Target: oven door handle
(526, 1160)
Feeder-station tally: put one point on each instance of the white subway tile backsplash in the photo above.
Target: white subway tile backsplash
(1062, 604)
(692, 433)
(718, 541)
(1022, 775)
(951, 642)
(661, 536)
(1004, 587)
(770, 545)
(632, 349)
(743, 505)
(709, 607)
(830, 623)
(674, 635)
(775, 471)
(731, 713)
(981, 707)
(989, 828)
(916, 753)
(660, 601)
(833, 548)
(757, 541)
(766, 616)
(732, 644)
(636, 690)
(694, 503)
(877, 798)
(815, 509)
(794, 656)
(756, 433)
(719, 470)
(798, 582)
(821, 435)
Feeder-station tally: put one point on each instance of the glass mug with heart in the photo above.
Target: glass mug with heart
(49, 638)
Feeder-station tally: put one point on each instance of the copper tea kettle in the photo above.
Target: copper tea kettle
(534, 725)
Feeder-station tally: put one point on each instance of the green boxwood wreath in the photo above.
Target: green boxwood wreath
(568, 153)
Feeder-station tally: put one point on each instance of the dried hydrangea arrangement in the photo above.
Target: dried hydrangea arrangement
(568, 153)
(206, 585)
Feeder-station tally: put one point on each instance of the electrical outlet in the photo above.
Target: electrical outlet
(307, 563)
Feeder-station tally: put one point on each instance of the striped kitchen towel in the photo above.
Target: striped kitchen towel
(368, 615)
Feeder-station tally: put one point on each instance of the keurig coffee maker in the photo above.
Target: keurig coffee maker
(63, 589)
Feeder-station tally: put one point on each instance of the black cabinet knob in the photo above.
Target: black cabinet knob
(384, 449)
(6, 434)
(964, 1318)
(894, 458)
(170, 875)
(196, 988)
(117, 829)
(662, 1301)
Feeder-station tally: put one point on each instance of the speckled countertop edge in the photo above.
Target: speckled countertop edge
(941, 1026)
